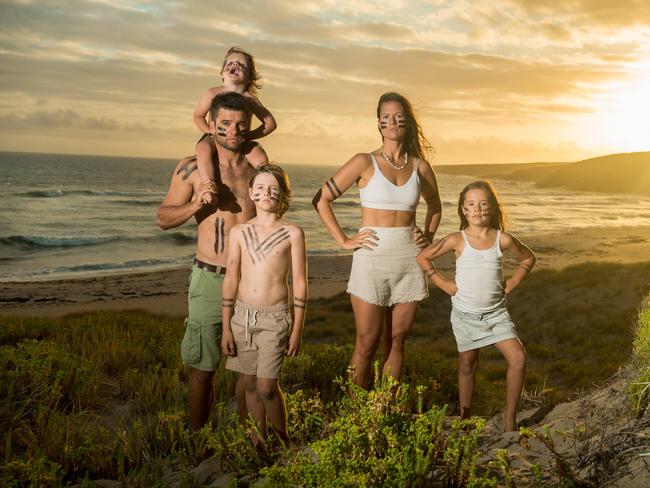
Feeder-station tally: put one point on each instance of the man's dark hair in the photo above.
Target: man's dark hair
(230, 101)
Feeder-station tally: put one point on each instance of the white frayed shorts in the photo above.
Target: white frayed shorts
(388, 274)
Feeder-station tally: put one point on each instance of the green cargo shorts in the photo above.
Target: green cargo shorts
(201, 346)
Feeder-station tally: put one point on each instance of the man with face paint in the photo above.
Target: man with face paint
(200, 349)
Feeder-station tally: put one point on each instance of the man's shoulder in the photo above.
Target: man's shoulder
(186, 168)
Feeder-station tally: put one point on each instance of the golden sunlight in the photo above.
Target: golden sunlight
(623, 118)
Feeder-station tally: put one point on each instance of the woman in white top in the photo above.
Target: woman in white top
(385, 278)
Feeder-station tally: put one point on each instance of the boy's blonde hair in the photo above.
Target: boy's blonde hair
(497, 212)
(283, 181)
(253, 76)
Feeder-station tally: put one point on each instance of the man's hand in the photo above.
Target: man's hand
(228, 346)
(207, 193)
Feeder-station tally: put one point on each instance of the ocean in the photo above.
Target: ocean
(63, 216)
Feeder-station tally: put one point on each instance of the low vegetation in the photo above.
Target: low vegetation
(101, 395)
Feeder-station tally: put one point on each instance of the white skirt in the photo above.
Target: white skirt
(388, 274)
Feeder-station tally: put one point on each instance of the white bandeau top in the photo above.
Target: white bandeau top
(382, 194)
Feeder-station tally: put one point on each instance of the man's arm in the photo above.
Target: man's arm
(229, 292)
(299, 275)
(178, 205)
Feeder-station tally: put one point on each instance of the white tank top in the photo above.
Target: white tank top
(380, 193)
(479, 278)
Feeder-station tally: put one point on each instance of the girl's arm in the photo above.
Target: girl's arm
(229, 291)
(431, 197)
(262, 113)
(523, 254)
(433, 251)
(334, 188)
(203, 107)
(299, 278)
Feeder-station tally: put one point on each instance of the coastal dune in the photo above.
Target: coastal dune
(615, 173)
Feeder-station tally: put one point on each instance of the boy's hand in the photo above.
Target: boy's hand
(293, 347)
(228, 346)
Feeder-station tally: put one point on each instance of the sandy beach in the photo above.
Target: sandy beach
(164, 292)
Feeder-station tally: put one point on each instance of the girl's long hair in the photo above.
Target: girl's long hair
(497, 212)
(414, 141)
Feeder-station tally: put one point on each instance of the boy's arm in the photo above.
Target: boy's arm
(229, 291)
(433, 251)
(524, 255)
(262, 113)
(431, 197)
(178, 205)
(299, 274)
(202, 108)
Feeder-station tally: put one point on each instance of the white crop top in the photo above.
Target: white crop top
(382, 194)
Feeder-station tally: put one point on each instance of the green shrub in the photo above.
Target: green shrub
(639, 388)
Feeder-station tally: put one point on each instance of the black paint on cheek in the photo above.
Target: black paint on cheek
(221, 131)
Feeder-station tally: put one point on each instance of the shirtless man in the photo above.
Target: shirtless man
(258, 330)
(229, 120)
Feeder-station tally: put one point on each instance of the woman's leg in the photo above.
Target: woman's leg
(402, 317)
(515, 354)
(467, 366)
(368, 319)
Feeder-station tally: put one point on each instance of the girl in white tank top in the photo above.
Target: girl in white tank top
(479, 315)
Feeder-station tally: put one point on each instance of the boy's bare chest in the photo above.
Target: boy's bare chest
(265, 246)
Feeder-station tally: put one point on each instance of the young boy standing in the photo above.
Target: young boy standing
(257, 326)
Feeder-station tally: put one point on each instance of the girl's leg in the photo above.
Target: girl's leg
(205, 163)
(402, 317)
(515, 354)
(467, 366)
(271, 394)
(254, 404)
(255, 154)
(368, 319)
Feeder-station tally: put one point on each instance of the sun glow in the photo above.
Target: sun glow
(622, 120)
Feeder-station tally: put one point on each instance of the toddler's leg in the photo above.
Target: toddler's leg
(254, 404)
(271, 394)
(515, 356)
(255, 154)
(467, 366)
(205, 164)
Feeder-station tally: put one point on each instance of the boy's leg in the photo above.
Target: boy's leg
(467, 366)
(254, 403)
(240, 397)
(515, 354)
(271, 394)
(402, 317)
(368, 319)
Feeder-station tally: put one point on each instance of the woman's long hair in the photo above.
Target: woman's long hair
(415, 143)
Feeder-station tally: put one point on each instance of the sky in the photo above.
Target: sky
(499, 81)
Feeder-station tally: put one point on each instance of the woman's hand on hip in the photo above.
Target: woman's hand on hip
(365, 239)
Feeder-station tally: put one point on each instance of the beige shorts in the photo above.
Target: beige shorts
(261, 335)
(388, 274)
